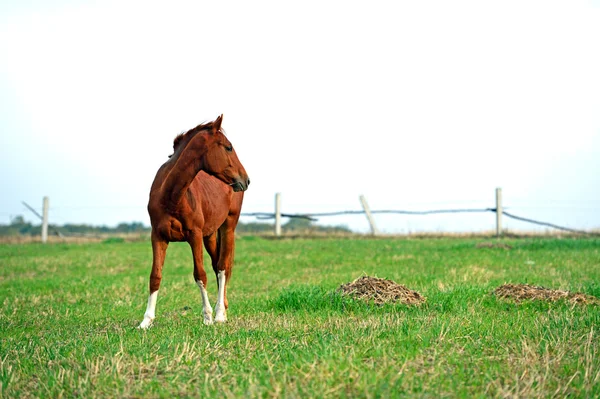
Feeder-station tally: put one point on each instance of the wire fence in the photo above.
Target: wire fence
(314, 216)
(554, 226)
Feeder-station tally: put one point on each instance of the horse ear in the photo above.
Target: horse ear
(216, 126)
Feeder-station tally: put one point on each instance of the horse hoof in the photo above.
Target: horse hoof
(208, 320)
(145, 324)
(220, 316)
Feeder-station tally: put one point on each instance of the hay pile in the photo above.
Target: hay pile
(380, 291)
(519, 292)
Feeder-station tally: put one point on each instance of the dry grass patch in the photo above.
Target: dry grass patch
(520, 292)
(380, 291)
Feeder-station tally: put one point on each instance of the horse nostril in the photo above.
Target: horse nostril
(248, 182)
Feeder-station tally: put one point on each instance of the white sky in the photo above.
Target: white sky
(416, 105)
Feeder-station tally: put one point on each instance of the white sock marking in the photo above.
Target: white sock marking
(207, 309)
(150, 311)
(220, 312)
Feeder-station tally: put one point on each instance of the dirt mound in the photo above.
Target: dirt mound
(520, 292)
(380, 291)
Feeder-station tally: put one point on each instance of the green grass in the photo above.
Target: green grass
(69, 312)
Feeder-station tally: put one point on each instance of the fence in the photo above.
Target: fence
(277, 215)
(498, 210)
(43, 217)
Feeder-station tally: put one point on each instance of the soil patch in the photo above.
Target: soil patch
(520, 292)
(380, 291)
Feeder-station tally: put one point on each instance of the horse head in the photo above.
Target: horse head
(220, 159)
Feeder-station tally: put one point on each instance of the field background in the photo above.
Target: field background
(69, 312)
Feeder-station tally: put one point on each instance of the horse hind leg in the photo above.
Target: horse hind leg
(159, 249)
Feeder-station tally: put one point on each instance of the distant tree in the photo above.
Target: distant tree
(19, 219)
(254, 228)
(296, 224)
(132, 227)
(307, 225)
(18, 226)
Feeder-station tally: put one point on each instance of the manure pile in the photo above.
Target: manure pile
(519, 292)
(380, 291)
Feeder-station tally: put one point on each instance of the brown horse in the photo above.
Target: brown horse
(197, 197)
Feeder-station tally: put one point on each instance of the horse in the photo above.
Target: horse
(197, 197)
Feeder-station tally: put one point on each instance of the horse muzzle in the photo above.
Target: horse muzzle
(240, 185)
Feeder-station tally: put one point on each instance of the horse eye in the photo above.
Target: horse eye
(229, 149)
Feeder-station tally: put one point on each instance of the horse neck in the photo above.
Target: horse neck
(182, 173)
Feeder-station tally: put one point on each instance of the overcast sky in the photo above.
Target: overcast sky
(415, 104)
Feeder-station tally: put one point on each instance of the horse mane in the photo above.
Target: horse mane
(183, 138)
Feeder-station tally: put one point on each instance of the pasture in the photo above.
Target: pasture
(69, 312)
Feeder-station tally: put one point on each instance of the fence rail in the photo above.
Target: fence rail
(499, 210)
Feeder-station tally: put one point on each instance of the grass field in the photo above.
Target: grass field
(69, 312)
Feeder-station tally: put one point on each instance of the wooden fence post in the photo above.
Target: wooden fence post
(45, 220)
(363, 202)
(498, 212)
(277, 214)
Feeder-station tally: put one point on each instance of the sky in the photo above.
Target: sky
(415, 105)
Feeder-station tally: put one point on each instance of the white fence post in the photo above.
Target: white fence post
(498, 212)
(363, 202)
(45, 220)
(277, 214)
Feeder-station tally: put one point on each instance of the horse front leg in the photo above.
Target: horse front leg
(223, 270)
(159, 249)
(211, 244)
(200, 276)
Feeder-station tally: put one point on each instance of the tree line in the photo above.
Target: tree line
(18, 226)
